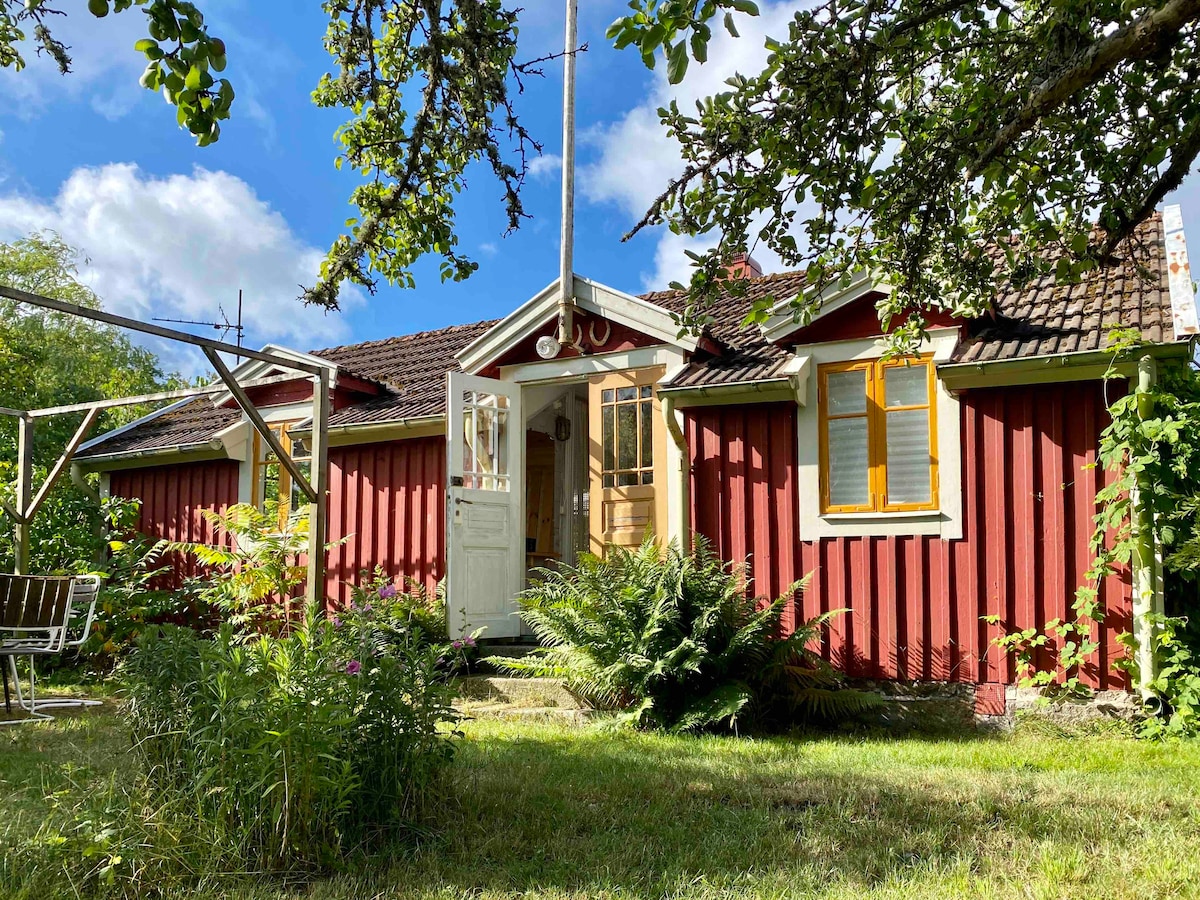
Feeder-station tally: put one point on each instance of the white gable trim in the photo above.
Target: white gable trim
(590, 296)
(782, 322)
(257, 368)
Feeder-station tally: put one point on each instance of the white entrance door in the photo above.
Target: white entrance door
(486, 546)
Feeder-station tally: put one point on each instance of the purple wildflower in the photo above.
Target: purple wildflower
(337, 623)
(366, 607)
(457, 645)
(469, 641)
(387, 592)
(353, 667)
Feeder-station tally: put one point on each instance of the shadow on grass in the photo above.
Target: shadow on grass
(646, 815)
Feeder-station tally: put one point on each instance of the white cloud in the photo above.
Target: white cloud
(179, 247)
(545, 166)
(104, 66)
(638, 159)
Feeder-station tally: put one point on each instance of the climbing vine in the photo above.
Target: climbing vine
(1152, 449)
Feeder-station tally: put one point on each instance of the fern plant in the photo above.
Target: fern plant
(675, 640)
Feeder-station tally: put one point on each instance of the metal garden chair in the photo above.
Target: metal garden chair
(42, 616)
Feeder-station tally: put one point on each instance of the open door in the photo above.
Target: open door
(627, 459)
(486, 545)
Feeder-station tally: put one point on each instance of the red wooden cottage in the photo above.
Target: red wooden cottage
(921, 494)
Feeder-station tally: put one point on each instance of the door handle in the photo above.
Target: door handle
(461, 500)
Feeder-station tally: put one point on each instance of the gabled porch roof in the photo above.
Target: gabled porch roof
(591, 296)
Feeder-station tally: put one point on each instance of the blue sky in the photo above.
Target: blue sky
(172, 230)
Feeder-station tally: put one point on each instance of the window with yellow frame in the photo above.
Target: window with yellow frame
(273, 485)
(878, 436)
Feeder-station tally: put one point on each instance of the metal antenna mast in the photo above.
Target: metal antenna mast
(224, 326)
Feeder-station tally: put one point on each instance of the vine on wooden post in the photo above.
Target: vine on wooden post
(1154, 454)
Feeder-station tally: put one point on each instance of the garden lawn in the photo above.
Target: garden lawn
(546, 811)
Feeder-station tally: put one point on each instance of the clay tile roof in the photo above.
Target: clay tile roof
(189, 424)
(1047, 319)
(747, 356)
(414, 368)
(1040, 319)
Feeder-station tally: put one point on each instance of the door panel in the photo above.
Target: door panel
(485, 550)
(627, 458)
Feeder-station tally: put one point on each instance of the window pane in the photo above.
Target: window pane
(908, 457)
(647, 478)
(485, 444)
(626, 393)
(606, 395)
(609, 438)
(271, 483)
(647, 435)
(645, 391)
(625, 479)
(848, 485)
(847, 392)
(609, 480)
(906, 385)
(468, 441)
(501, 439)
(627, 436)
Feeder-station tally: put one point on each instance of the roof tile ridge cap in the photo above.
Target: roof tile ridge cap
(758, 279)
(398, 338)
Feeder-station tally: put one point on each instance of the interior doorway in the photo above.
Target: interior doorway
(556, 475)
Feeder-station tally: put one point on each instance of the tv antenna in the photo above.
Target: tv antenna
(224, 326)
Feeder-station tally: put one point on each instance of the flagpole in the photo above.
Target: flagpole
(566, 260)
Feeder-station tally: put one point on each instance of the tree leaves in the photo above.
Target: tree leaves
(179, 52)
(427, 86)
(948, 145)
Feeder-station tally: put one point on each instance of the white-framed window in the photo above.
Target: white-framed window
(878, 424)
(878, 441)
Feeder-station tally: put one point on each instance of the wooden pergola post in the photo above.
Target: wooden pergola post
(318, 515)
(24, 492)
(317, 493)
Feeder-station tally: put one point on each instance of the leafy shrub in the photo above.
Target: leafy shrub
(255, 578)
(674, 640)
(413, 614)
(1176, 683)
(410, 608)
(291, 750)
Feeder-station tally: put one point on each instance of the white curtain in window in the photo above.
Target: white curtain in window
(908, 462)
(848, 462)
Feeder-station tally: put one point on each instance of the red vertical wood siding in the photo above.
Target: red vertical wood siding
(916, 602)
(390, 497)
(173, 498)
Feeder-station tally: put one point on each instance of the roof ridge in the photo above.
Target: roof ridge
(675, 292)
(396, 338)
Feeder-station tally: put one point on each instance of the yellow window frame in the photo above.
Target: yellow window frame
(876, 414)
(283, 432)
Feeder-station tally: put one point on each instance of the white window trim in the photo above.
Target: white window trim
(945, 522)
(291, 412)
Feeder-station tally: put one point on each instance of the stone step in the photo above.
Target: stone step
(527, 693)
(507, 713)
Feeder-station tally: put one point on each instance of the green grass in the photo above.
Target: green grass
(544, 811)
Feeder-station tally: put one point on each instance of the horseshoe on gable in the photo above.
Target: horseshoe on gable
(607, 333)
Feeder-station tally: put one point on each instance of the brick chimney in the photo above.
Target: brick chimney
(743, 266)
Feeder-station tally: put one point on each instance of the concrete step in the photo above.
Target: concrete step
(511, 651)
(526, 693)
(507, 713)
